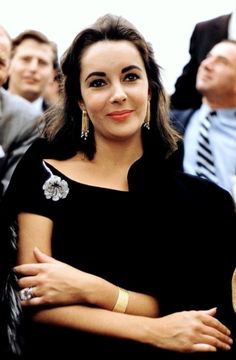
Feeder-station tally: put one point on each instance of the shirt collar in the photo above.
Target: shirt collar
(225, 116)
(38, 104)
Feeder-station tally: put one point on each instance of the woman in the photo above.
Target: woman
(83, 196)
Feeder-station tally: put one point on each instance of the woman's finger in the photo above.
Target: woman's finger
(27, 269)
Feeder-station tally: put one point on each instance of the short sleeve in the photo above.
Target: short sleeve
(27, 191)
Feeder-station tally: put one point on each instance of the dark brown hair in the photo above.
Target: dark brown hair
(64, 125)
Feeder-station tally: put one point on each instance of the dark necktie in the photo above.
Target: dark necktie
(205, 160)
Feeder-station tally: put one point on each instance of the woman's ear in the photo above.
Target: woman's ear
(81, 105)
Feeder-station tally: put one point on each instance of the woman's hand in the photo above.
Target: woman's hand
(54, 282)
(190, 331)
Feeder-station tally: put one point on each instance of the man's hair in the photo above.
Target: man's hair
(40, 38)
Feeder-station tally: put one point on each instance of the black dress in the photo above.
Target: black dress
(160, 237)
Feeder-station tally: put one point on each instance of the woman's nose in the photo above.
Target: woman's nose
(118, 94)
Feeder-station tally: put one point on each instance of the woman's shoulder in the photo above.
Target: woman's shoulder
(203, 189)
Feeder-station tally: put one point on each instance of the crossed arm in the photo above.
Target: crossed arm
(85, 302)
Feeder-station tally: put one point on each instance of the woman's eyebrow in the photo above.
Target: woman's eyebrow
(130, 67)
(101, 73)
(95, 73)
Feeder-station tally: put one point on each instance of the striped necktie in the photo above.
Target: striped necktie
(205, 160)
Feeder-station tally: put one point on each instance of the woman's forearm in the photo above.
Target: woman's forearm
(55, 283)
(92, 320)
(187, 331)
(104, 294)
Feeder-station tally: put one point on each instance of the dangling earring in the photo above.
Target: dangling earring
(146, 123)
(84, 125)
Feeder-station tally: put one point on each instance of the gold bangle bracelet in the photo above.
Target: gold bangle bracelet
(122, 301)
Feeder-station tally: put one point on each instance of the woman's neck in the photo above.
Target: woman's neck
(118, 153)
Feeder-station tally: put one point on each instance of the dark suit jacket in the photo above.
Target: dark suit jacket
(180, 119)
(205, 35)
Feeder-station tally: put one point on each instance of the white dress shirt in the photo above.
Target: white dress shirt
(222, 136)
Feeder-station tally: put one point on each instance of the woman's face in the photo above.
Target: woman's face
(114, 88)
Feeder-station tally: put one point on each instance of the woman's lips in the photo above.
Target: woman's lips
(120, 115)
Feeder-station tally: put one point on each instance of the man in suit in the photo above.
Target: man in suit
(205, 35)
(19, 121)
(34, 64)
(216, 81)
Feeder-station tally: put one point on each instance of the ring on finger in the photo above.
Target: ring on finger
(26, 294)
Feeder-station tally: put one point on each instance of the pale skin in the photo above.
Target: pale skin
(216, 77)
(234, 290)
(5, 52)
(115, 94)
(31, 69)
(52, 90)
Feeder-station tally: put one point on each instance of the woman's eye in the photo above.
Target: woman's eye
(97, 83)
(131, 77)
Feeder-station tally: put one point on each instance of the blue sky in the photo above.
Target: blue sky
(167, 24)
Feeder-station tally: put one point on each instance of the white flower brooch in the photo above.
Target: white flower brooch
(55, 188)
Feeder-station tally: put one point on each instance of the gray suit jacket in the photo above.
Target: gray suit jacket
(19, 127)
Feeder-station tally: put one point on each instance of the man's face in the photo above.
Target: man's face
(217, 73)
(31, 69)
(5, 53)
